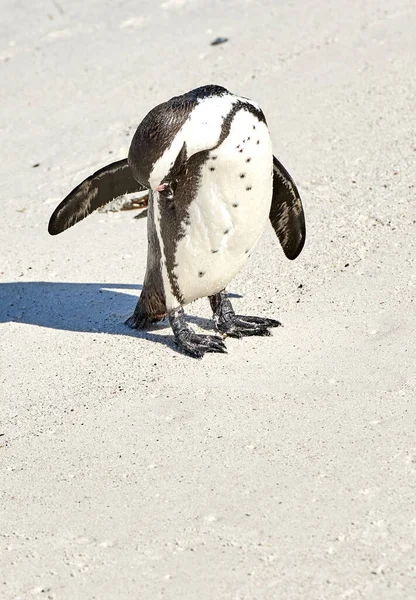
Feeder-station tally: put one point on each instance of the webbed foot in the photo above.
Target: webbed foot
(232, 325)
(188, 341)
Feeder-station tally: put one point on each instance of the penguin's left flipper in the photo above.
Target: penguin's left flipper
(237, 326)
(286, 212)
(100, 188)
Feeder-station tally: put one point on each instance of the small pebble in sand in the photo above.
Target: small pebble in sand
(218, 41)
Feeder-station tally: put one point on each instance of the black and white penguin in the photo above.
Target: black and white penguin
(206, 159)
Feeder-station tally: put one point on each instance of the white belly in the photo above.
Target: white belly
(228, 216)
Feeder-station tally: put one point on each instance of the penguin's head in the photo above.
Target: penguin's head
(156, 153)
(158, 149)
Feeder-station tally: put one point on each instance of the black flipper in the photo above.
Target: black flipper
(98, 189)
(286, 212)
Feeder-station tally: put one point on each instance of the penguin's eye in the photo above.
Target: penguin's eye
(166, 190)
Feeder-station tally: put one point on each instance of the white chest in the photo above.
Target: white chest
(230, 211)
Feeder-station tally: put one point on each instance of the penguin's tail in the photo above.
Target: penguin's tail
(150, 308)
(98, 189)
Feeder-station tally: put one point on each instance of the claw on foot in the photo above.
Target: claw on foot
(197, 345)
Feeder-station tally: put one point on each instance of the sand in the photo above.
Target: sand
(285, 469)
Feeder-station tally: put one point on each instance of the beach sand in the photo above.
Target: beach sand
(285, 469)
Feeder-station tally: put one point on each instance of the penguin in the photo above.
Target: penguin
(206, 159)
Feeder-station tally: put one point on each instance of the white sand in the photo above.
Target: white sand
(285, 469)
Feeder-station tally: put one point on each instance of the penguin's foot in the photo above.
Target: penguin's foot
(188, 341)
(237, 326)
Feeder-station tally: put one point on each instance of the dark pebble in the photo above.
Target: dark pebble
(218, 41)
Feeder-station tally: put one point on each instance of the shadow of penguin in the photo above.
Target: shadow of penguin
(83, 307)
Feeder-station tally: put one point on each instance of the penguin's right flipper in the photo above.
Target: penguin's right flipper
(98, 189)
(286, 212)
